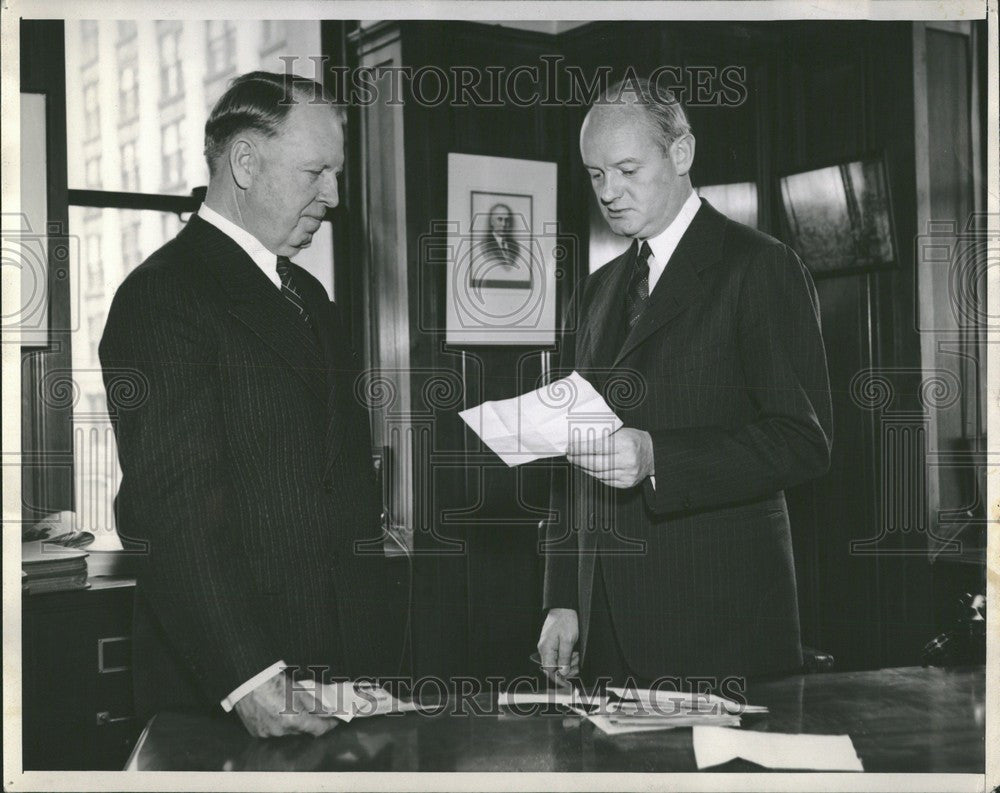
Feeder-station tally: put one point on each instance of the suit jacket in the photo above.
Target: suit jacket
(246, 474)
(727, 372)
(496, 267)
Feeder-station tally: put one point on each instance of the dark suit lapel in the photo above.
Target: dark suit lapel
(258, 305)
(338, 368)
(679, 286)
(596, 347)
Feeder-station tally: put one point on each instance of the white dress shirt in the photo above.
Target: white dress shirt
(263, 258)
(268, 263)
(665, 243)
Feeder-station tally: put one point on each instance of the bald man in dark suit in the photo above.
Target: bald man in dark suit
(670, 552)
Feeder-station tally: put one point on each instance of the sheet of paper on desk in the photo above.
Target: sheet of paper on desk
(540, 423)
(507, 699)
(619, 724)
(658, 702)
(716, 745)
(345, 701)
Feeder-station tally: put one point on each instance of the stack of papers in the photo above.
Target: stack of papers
(348, 701)
(542, 422)
(624, 710)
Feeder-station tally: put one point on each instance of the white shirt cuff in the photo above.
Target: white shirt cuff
(251, 684)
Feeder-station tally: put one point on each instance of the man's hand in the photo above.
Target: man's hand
(555, 646)
(265, 711)
(622, 459)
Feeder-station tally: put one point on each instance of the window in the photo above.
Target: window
(220, 36)
(95, 267)
(93, 170)
(130, 167)
(95, 327)
(131, 255)
(272, 34)
(171, 76)
(172, 161)
(128, 91)
(127, 30)
(91, 112)
(88, 42)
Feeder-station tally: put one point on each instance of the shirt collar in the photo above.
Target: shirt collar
(262, 257)
(665, 243)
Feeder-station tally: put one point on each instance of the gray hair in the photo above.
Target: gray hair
(259, 101)
(660, 107)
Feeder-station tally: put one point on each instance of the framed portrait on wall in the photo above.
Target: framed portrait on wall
(501, 251)
(839, 218)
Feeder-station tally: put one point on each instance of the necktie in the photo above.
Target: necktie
(638, 286)
(289, 291)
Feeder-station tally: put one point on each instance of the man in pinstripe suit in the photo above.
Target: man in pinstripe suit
(246, 469)
(670, 551)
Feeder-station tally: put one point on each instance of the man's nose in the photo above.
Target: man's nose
(329, 193)
(610, 190)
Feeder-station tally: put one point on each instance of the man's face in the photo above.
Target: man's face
(499, 219)
(636, 182)
(297, 179)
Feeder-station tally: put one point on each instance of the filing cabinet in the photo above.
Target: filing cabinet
(77, 677)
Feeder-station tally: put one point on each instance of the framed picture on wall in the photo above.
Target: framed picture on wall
(501, 251)
(839, 218)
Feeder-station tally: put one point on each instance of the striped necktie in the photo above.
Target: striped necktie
(290, 291)
(638, 286)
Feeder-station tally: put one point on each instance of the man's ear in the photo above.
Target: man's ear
(243, 162)
(682, 154)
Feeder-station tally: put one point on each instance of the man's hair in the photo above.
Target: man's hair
(259, 101)
(661, 108)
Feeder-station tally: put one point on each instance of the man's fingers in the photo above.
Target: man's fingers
(547, 653)
(565, 654)
(593, 462)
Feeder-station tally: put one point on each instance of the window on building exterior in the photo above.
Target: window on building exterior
(88, 42)
(272, 34)
(91, 112)
(128, 90)
(221, 55)
(93, 172)
(131, 252)
(171, 75)
(130, 167)
(172, 158)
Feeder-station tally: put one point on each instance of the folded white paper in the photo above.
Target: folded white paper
(567, 698)
(716, 745)
(541, 423)
(657, 702)
(619, 724)
(345, 701)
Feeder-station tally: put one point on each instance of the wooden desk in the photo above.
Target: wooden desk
(901, 720)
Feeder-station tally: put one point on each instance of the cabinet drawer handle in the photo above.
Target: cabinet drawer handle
(104, 718)
(103, 669)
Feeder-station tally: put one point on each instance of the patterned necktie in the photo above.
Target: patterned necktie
(289, 291)
(638, 286)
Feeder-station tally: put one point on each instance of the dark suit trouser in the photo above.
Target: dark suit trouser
(603, 657)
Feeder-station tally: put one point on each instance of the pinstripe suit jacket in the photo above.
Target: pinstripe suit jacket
(727, 372)
(247, 476)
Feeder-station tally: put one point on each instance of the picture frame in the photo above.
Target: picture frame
(838, 217)
(501, 252)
